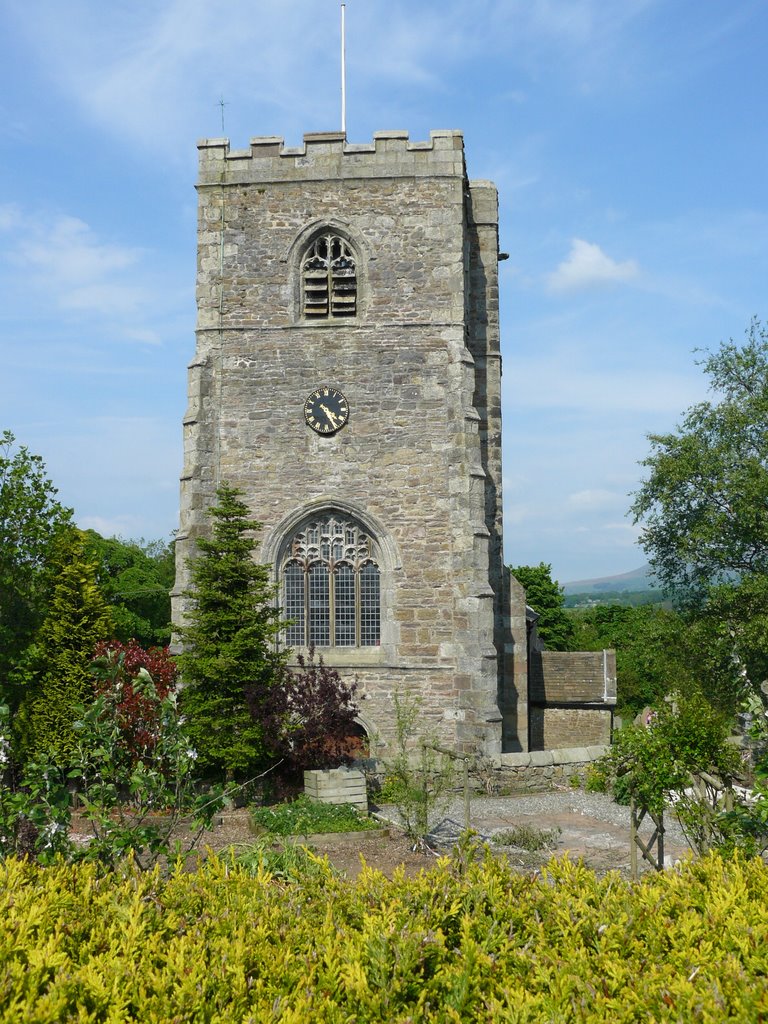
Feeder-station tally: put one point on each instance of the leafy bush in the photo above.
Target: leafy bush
(135, 792)
(596, 780)
(466, 943)
(682, 757)
(747, 824)
(290, 862)
(303, 817)
(311, 716)
(684, 736)
(35, 815)
(115, 668)
(135, 796)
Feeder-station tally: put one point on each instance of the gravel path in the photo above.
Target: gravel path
(600, 806)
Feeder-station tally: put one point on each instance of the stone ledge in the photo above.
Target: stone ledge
(544, 758)
(515, 760)
(597, 751)
(541, 758)
(570, 755)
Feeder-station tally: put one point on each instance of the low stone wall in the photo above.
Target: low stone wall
(337, 786)
(541, 769)
(559, 728)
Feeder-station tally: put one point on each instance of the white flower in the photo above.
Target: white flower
(50, 831)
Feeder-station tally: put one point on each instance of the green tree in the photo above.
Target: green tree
(685, 737)
(31, 519)
(725, 643)
(650, 649)
(547, 599)
(136, 577)
(230, 662)
(56, 668)
(704, 504)
(704, 509)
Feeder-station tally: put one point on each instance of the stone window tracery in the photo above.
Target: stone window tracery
(331, 585)
(329, 279)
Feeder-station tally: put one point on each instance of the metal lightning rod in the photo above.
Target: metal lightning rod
(343, 71)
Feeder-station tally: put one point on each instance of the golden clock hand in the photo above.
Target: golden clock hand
(331, 416)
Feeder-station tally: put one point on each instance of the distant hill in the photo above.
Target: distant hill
(634, 581)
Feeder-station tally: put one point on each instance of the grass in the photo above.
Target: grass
(303, 817)
(526, 837)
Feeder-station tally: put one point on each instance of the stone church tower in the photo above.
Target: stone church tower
(347, 380)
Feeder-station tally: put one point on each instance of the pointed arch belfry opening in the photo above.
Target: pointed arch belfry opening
(329, 278)
(327, 267)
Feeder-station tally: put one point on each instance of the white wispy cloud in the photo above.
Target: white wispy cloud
(10, 216)
(65, 249)
(595, 499)
(55, 261)
(587, 266)
(152, 73)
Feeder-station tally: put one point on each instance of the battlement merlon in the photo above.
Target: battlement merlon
(328, 155)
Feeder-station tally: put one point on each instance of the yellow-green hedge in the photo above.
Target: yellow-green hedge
(460, 943)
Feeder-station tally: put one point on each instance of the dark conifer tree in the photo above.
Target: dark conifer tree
(230, 662)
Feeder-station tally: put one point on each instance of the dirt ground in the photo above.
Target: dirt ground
(602, 845)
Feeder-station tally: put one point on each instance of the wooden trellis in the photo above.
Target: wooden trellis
(653, 850)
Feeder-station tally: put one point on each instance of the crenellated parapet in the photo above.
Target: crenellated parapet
(328, 155)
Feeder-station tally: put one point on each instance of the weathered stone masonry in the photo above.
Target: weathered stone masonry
(414, 463)
(418, 464)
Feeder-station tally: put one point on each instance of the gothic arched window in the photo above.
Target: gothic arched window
(329, 279)
(331, 585)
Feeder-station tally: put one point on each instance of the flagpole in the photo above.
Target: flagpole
(343, 72)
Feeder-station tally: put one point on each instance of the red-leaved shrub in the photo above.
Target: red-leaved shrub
(116, 668)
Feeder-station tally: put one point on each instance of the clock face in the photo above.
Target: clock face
(326, 410)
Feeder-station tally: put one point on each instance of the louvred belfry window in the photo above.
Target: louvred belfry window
(329, 279)
(331, 586)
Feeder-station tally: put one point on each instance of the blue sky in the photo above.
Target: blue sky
(627, 139)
